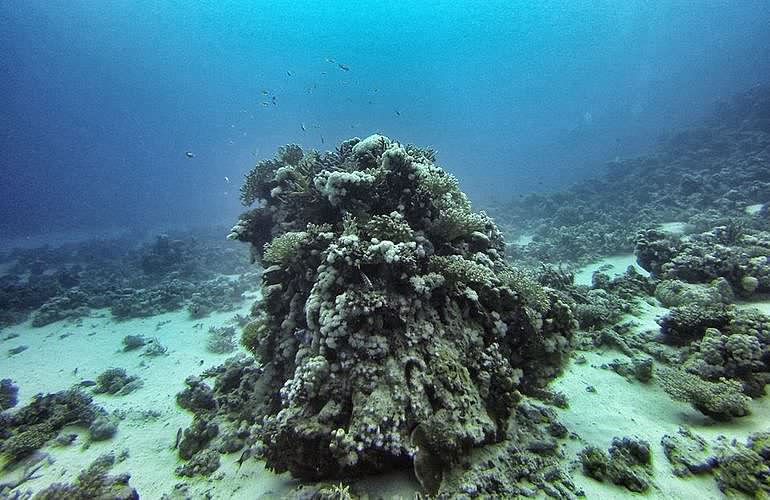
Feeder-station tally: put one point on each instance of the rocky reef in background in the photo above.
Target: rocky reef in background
(715, 174)
(131, 279)
(391, 332)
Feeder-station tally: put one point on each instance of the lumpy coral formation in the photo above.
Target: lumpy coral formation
(629, 463)
(32, 426)
(391, 329)
(739, 469)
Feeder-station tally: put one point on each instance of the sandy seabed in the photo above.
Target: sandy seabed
(63, 354)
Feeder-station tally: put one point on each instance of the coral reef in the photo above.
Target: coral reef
(701, 177)
(674, 293)
(638, 367)
(528, 463)
(720, 400)
(738, 257)
(225, 416)
(739, 469)
(32, 426)
(688, 453)
(132, 342)
(93, 483)
(133, 280)
(689, 322)
(201, 464)
(196, 437)
(221, 340)
(116, 381)
(154, 348)
(72, 304)
(389, 316)
(628, 464)
(742, 469)
(9, 394)
(102, 428)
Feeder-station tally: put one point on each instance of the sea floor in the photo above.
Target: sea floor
(63, 354)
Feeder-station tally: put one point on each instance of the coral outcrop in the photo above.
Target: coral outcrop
(629, 463)
(32, 426)
(391, 329)
(93, 482)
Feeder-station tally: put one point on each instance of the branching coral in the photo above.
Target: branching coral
(284, 247)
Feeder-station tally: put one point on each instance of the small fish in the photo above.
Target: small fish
(344, 67)
(189, 154)
(178, 438)
(330, 60)
(322, 140)
(398, 113)
(227, 179)
(289, 73)
(302, 126)
(244, 456)
(75, 371)
(265, 103)
(87, 383)
(265, 92)
(274, 103)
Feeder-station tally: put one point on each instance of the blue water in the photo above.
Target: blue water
(100, 101)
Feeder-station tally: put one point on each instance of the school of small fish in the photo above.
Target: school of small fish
(269, 99)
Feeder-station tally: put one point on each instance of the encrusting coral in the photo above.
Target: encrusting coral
(391, 329)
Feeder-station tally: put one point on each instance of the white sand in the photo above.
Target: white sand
(615, 265)
(95, 345)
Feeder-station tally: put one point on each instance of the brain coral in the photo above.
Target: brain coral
(391, 330)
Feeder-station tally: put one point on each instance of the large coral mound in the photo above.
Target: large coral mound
(391, 329)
